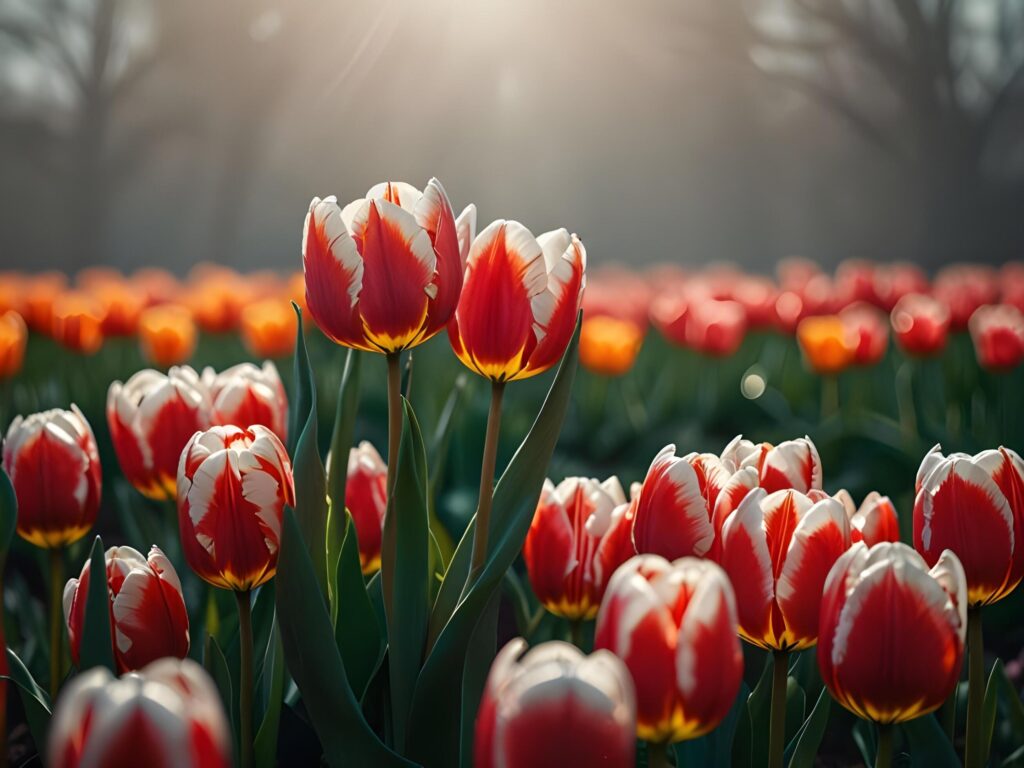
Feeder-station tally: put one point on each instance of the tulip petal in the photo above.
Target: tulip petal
(748, 563)
(672, 518)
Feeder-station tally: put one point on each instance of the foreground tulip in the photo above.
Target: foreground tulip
(920, 324)
(167, 334)
(13, 339)
(998, 335)
(366, 498)
(245, 394)
(151, 417)
(874, 521)
(554, 707)
(233, 485)
(147, 609)
(674, 626)
(169, 713)
(891, 637)
(579, 535)
(673, 517)
(609, 346)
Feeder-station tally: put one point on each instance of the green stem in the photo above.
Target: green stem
(245, 677)
(487, 465)
(883, 758)
(777, 732)
(974, 751)
(576, 632)
(657, 755)
(56, 619)
(394, 416)
(829, 395)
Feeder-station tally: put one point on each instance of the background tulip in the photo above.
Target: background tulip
(77, 322)
(674, 626)
(998, 335)
(609, 346)
(245, 394)
(13, 339)
(555, 707)
(869, 330)
(792, 464)
(366, 498)
(715, 327)
(151, 417)
(827, 343)
(268, 328)
(920, 324)
(147, 609)
(575, 543)
(167, 334)
(169, 708)
(874, 521)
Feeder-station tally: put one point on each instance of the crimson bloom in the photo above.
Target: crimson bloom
(920, 324)
(998, 335)
(673, 517)
(233, 484)
(147, 609)
(891, 632)
(869, 331)
(54, 466)
(366, 497)
(791, 464)
(151, 417)
(579, 535)
(874, 521)
(965, 287)
(383, 273)
(674, 626)
(553, 707)
(245, 394)
(169, 713)
(519, 302)
(777, 549)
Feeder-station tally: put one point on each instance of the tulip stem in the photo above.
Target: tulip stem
(394, 416)
(576, 632)
(245, 677)
(490, 458)
(974, 752)
(883, 758)
(56, 636)
(657, 755)
(777, 728)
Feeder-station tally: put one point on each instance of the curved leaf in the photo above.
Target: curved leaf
(216, 664)
(97, 649)
(34, 700)
(357, 629)
(808, 738)
(265, 745)
(337, 470)
(304, 394)
(928, 744)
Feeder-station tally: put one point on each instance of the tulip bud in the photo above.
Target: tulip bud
(233, 484)
(891, 633)
(874, 521)
(575, 543)
(54, 466)
(673, 518)
(13, 339)
(974, 506)
(519, 302)
(998, 335)
(792, 464)
(366, 497)
(169, 708)
(920, 324)
(777, 549)
(147, 609)
(555, 707)
(245, 395)
(383, 273)
(674, 626)
(151, 417)
(77, 322)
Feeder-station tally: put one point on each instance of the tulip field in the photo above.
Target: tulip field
(444, 495)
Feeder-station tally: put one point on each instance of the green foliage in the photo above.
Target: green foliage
(34, 700)
(97, 649)
(358, 629)
(337, 472)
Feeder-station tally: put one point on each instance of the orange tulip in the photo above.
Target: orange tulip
(77, 322)
(609, 346)
(827, 343)
(216, 296)
(121, 306)
(40, 292)
(167, 334)
(12, 291)
(268, 328)
(295, 289)
(13, 338)
(157, 286)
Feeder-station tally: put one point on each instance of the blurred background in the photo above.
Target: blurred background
(140, 132)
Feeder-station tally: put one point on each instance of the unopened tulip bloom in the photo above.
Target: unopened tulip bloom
(147, 609)
(13, 339)
(920, 324)
(827, 343)
(169, 709)
(268, 328)
(791, 464)
(874, 521)
(998, 335)
(715, 327)
(868, 327)
(609, 346)
(151, 417)
(575, 543)
(77, 322)
(246, 394)
(674, 626)
(366, 498)
(167, 334)
(673, 517)
(554, 707)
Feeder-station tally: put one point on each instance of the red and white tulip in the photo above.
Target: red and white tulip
(673, 516)
(874, 521)
(920, 324)
(246, 394)
(793, 464)
(366, 497)
(998, 335)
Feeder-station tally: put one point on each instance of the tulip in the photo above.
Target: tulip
(170, 708)
(920, 324)
(157, 286)
(673, 517)
(758, 297)
(998, 335)
(609, 346)
(13, 339)
(216, 295)
(617, 292)
(167, 334)
(77, 322)
(855, 282)
(827, 343)
(669, 312)
(245, 394)
(147, 608)
(868, 328)
(874, 521)
(792, 464)
(891, 634)
(579, 535)
(40, 293)
(151, 417)
(366, 498)
(554, 707)
(895, 280)
(964, 288)
(12, 292)
(714, 327)
(674, 627)
(120, 306)
(268, 328)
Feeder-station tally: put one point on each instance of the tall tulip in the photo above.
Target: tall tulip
(151, 417)
(167, 713)
(246, 394)
(553, 707)
(147, 609)
(233, 484)
(366, 498)
(674, 626)
(891, 634)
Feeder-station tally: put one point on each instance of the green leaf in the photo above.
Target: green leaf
(1014, 706)
(480, 655)
(405, 571)
(929, 747)
(436, 709)
(34, 699)
(265, 745)
(304, 395)
(988, 710)
(357, 629)
(796, 708)
(216, 664)
(8, 517)
(97, 648)
(262, 628)
(337, 469)
(315, 664)
(750, 744)
(808, 738)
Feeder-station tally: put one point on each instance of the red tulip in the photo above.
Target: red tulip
(791, 464)
(366, 497)
(869, 330)
(891, 633)
(974, 506)
(54, 466)
(668, 313)
(874, 521)
(715, 327)
(384, 272)
(245, 394)
(895, 280)
(998, 335)
(151, 417)
(555, 707)
(673, 517)
(519, 302)
(674, 626)
(233, 484)
(777, 549)
(855, 282)
(964, 288)
(147, 609)
(579, 535)
(168, 713)
(618, 292)
(758, 297)
(921, 324)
